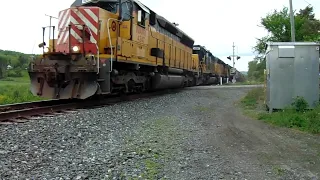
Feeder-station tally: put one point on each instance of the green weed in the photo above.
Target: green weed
(16, 94)
(201, 108)
(16, 90)
(278, 170)
(253, 98)
(246, 83)
(296, 116)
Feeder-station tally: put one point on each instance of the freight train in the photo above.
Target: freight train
(119, 46)
(237, 75)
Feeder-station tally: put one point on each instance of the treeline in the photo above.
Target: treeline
(12, 63)
(279, 28)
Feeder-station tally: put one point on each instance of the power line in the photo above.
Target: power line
(308, 3)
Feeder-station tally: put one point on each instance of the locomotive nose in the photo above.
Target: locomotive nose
(53, 86)
(78, 30)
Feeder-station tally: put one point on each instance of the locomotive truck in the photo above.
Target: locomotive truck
(117, 46)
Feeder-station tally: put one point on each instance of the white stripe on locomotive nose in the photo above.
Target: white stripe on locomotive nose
(74, 21)
(87, 22)
(61, 15)
(93, 40)
(91, 14)
(61, 34)
(75, 35)
(64, 20)
(64, 33)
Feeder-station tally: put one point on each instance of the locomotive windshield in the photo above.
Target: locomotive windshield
(113, 6)
(200, 52)
(109, 6)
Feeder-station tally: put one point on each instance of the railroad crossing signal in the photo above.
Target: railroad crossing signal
(229, 57)
(233, 55)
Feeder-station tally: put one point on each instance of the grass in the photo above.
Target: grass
(278, 170)
(246, 83)
(303, 120)
(16, 90)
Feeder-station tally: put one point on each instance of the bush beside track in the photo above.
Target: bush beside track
(296, 118)
(16, 90)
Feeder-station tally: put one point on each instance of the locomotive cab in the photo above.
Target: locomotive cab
(206, 61)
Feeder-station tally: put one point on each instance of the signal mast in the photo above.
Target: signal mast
(233, 70)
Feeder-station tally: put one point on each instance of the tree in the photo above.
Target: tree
(18, 61)
(3, 65)
(277, 24)
(311, 26)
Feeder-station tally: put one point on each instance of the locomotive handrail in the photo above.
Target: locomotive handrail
(110, 42)
(98, 53)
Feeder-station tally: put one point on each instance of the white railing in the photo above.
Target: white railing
(110, 41)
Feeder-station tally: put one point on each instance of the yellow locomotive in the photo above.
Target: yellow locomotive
(212, 69)
(115, 46)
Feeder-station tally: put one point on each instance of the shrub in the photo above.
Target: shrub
(300, 104)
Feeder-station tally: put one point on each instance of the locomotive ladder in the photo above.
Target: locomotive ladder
(110, 42)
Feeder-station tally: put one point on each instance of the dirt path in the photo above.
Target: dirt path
(251, 149)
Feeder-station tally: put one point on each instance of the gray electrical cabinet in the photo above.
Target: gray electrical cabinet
(292, 69)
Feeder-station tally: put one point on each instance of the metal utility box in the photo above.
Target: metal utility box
(292, 69)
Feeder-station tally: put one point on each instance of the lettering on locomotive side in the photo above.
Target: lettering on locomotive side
(141, 38)
(140, 30)
(141, 34)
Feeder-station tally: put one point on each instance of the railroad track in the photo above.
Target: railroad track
(23, 112)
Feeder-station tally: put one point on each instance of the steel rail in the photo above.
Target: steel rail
(17, 106)
(23, 112)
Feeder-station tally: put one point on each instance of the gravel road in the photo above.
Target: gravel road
(196, 133)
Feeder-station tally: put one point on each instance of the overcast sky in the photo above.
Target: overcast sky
(215, 24)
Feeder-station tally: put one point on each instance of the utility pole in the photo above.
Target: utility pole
(293, 36)
(233, 54)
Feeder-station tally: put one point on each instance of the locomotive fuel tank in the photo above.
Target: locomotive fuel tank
(211, 80)
(160, 81)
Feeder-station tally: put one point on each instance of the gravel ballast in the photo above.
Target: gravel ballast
(196, 133)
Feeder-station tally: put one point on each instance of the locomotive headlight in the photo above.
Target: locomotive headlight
(75, 48)
(46, 50)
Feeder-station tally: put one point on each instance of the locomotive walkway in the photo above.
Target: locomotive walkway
(196, 133)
